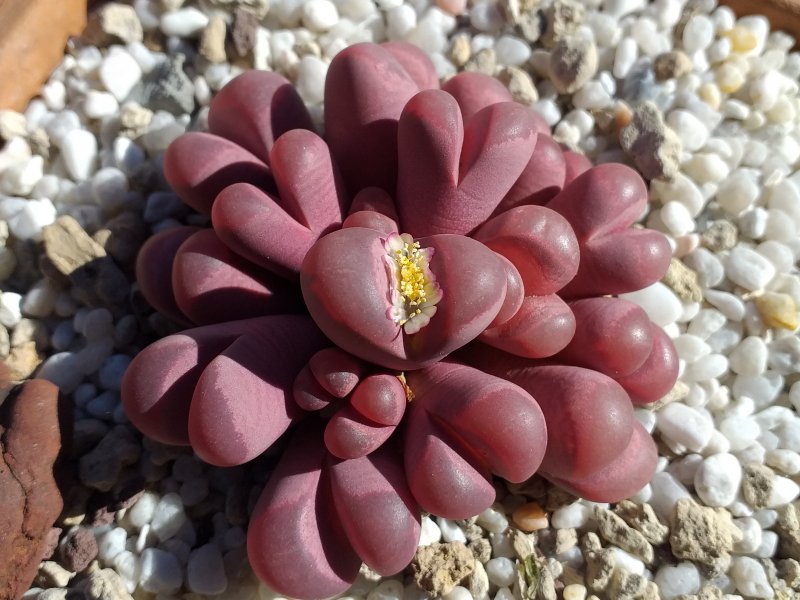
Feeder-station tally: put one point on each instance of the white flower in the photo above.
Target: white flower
(413, 291)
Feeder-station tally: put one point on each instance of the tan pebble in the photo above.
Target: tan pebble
(742, 39)
(729, 78)
(23, 361)
(460, 50)
(777, 310)
(530, 517)
(623, 115)
(574, 591)
(710, 94)
(671, 64)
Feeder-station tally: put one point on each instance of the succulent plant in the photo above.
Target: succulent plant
(421, 300)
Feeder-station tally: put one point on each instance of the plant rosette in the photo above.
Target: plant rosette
(421, 300)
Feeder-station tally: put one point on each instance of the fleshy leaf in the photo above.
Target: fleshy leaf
(255, 109)
(453, 174)
(199, 166)
(213, 285)
(377, 510)
(295, 541)
(243, 400)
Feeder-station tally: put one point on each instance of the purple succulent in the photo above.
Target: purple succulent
(422, 300)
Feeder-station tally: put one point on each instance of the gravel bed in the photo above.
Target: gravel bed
(701, 103)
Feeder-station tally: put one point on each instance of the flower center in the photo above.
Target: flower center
(413, 292)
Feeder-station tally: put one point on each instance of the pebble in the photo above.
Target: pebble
(320, 15)
(160, 571)
(311, 79)
(501, 571)
(685, 425)
(573, 62)
(681, 579)
(451, 532)
(111, 544)
(658, 301)
(186, 22)
(511, 51)
(783, 491)
(571, 516)
(747, 268)
(20, 179)
(98, 105)
(717, 479)
(168, 516)
(698, 34)
(119, 73)
(728, 304)
(205, 571)
(691, 130)
(750, 578)
(777, 310)
(79, 151)
(530, 517)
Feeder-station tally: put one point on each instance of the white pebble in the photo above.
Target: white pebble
(511, 51)
(740, 432)
(658, 301)
(119, 73)
(591, 96)
(400, 21)
(779, 254)
(685, 425)
(786, 461)
(98, 105)
(737, 192)
(451, 532)
(784, 490)
(429, 532)
(63, 368)
(728, 304)
(677, 218)
(749, 269)
(690, 347)
(666, 492)
(707, 321)
(493, 520)
(160, 571)
(750, 578)
(768, 546)
(186, 22)
(681, 579)
(502, 572)
(717, 479)
(311, 79)
(751, 535)
(706, 167)
(698, 34)
(111, 543)
(625, 56)
(706, 368)
(79, 151)
(19, 179)
(320, 15)
(571, 516)
(168, 516)
(205, 571)
(691, 130)
(128, 567)
(680, 189)
(749, 357)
